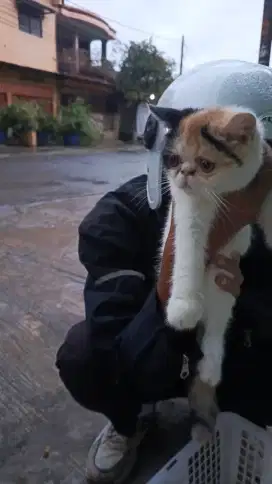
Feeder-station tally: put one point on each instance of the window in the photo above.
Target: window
(30, 20)
(36, 26)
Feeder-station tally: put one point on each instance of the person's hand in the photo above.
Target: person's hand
(242, 208)
(230, 277)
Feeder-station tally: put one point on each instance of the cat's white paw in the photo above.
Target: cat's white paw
(210, 371)
(183, 313)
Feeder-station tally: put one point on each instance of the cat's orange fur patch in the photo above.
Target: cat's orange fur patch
(194, 144)
(226, 126)
(190, 127)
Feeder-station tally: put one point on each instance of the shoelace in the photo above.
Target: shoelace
(112, 438)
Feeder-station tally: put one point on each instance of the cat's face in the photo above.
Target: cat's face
(210, 150)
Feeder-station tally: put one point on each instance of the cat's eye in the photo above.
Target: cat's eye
(205, 165)
(173, 161)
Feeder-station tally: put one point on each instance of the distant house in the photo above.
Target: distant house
(45, 56)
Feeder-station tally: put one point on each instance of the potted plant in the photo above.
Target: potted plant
(3, 125)
(22, 118)
(47, 127)
(75, 123)
(10, 120)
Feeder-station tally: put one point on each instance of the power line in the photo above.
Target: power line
(150, 34)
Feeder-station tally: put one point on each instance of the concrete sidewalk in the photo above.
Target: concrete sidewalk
(44, 434)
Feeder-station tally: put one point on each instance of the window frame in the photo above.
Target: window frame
(26, 17)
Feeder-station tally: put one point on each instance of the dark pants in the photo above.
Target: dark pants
(95, 381)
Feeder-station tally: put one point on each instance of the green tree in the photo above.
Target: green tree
(144, 71)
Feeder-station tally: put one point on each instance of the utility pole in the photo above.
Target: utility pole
(181, 54)
(266, 34)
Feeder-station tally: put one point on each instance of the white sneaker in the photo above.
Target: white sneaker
(112, 456)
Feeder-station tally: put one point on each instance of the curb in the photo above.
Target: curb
(73, 151)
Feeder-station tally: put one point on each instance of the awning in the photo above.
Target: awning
(35, 5)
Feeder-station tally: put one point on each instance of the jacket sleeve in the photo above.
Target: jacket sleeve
(121, 303)
(119, 278)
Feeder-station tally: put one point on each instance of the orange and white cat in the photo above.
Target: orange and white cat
(208, 153)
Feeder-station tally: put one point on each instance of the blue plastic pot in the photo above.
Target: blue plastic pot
(43, 138)
(3, 137)
(71, 139)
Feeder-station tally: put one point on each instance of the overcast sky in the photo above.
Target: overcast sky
(213, 29)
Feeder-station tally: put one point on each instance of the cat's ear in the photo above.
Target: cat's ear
(241, 127)
(169, 116)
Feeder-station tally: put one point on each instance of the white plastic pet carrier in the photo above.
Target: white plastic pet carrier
(239, 453)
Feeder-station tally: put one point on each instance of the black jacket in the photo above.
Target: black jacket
(118, 245)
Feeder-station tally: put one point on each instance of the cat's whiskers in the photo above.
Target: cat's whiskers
(221, 201)
(141, 196)
(211, 197)
(220, 205)
(230, 205)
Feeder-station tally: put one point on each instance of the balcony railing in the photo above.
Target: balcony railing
(83, 66)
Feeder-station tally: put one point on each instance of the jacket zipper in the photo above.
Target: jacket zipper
(185, 369)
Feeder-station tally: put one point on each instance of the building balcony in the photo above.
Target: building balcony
(83, 66)
(85, 23)
(78, 31)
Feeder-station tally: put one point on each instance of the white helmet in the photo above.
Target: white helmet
(220, 83)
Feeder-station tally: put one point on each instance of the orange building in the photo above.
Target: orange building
(45, 54)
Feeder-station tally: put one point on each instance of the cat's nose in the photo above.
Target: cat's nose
(188, 170)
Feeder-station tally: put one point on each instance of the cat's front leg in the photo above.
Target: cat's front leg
(186, 303)
(210, 367)
(184, 313)
(219, 306)
(203, 409)
(219, 312)
(202, 396)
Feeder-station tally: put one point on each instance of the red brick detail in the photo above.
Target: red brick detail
(3, 99)
(27, 90)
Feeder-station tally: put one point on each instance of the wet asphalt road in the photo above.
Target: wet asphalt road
(44, 177)
(44, 434)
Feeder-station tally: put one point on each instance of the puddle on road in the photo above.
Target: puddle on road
(94, 181)
(6, 211)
